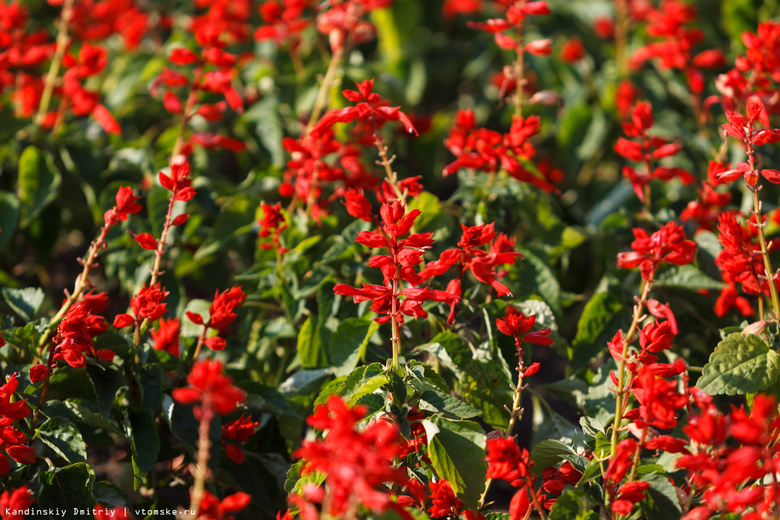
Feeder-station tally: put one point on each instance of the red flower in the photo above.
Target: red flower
(621, 462)
(444, 501)
(222, 309)
(148, 304)
(238, 430)
(211, 508)
(356, 464)
(506, 461)
(75, 333)
(573, 50)
(517, 325)
(370, 108)
(668, 244)
(272, 222)
(15, 503)
(210, 387)
(166, 337)
(629, 494)
(178, 182)
(357, 205)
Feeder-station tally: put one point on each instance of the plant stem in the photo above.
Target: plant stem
(514, 414)
(387, 162)
(621, 37)
(519, 75)
(63, 39)
(396, 339)
(185, 119)
(81, 282)
(645, 291)
(322, 95)
(161, 243)
(204, 444)
(765, 254)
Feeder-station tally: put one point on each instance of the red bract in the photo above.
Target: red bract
(212, 508)
(272, 223)
(210, 387)
(166, 337)
(740, 259)
(646, 149)
(178, 183)
(488, 151)
(238, 430)
(75, 333)
(370, 108)
(356, 463)
(343, 22)
(398, 266)
(470, 257)
(507, 462)
(668, 244)
(14, 504)
(445, 504)
(628, 495)
(518, 326)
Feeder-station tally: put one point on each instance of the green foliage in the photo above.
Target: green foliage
(740, 364)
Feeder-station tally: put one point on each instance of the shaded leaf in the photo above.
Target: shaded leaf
(24, 302)
(64, 439)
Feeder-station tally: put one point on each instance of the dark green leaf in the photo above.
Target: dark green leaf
(64, 439)
(573, 505)
(24, 302)
(144, 442)
(457, 453)
(151, 379)
(603, 315)
(106, 381)
(348, 344)
(109, 494)
(68, 489)
(362, 381)
(9, 218)
(550, 452)
(740, 364)
(663, 502)
(686, 277)
(304, 381)
(80, 410)
(38, 183)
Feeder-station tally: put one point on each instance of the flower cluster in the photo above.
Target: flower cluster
(222, 312)
(646, 149)
(356, 463)
(668, 244)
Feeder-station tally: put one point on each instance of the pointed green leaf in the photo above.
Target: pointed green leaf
(740, 364)
(64, 439)
(67, 488)
(38, 183)
(24, 302)
(144, 442)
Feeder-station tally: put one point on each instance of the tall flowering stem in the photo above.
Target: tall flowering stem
(215, 394)
(389, 299)
(63, 39)
(743, 128)
(668, 244)
(518, 326)
(125, 204)
(325, 85)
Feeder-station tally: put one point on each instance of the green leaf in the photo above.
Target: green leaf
(109, 494)
(80, 410)
(348, 344)
(485, 385)
(38, 183)
(591, 427)
(268, 127)
(662, 502)
(304, 382)
(67, 488)
(550, 452)
(573, 505)
(686, 277)
(144, 442)
(9, 218)
(362, 381)
(397, 386)
(310, 348)
(602, 316)
(450, 351)
(236, 216)
(432, 398)
(151, 379)
(64, 439)
(106, 381)
(24, 302)
(457, 453)
(738, 16)
(740, 364)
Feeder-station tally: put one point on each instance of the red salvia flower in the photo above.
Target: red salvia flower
(628, 495)
(370, 108)
(166, 337)
(210, 387)
(14, 504)
(212, 508)
(445, 504)
(272, 223)
(518, 326)
(356, 463)
(506, 461)
(668, 244)
(239, 431)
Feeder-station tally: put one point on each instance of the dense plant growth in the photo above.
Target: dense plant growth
(480, 259)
